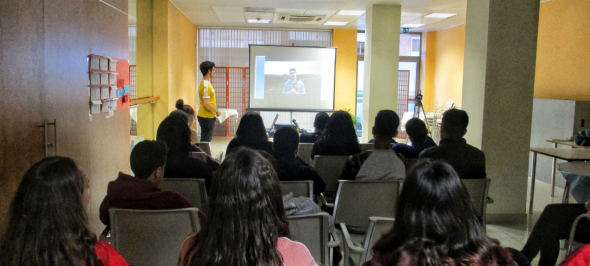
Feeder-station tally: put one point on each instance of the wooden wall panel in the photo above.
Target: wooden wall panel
(21, 93)
(100, 145)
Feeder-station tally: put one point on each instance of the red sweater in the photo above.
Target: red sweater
(128, 192)
(108, 255)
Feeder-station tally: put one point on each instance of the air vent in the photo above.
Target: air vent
(259, 9)
(301, 17)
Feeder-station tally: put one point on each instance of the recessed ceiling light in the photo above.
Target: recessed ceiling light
(259, 21)
(409, 25)
(350, 12)
(440, 15)
(335, 23)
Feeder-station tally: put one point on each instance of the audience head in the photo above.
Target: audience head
(205, 67)
(47, 219)
(435, 221)
(285, 142)
(187, 109)
(251, 129)
(320, 121)
(339, 130)
(245, 214)
(454, 124)
(148, 158)
(416, 129)
(176, 134)
(386, 124)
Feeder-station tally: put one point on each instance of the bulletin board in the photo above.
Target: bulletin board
(108, 84)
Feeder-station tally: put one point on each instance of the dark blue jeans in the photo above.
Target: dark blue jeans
(207, 125)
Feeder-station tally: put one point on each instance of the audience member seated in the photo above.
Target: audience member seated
(180, 112)
(436, 224)
(289, 167)
(418, 135)
(380, 163)
(47, 222)
(148, 159)
(251, 133)
(254, 235)
(319, 124)
(468, 161)
(339, 137)
(554, 224)
(176, 134)
(191, 118)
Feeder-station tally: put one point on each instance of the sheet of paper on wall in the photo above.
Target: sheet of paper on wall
(94, 78)
(104, 92)
(113, 78)
(113, 65)
(113, 92)
(94, 93)
(120, 93)
(114, 104)
(95, 109)
(94, 62)
(126, 89)
(106, 106)
(104, 63)
(104, 78)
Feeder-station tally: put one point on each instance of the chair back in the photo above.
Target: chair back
(298, 188)
(191, 188)
(366, 146)
(152, 237)
(478, 191)
(356, 201)
(199, 155)
(312, 230)
(205, 146)
(377, 227)
(305, 151)
(329, 168)
(409, 164)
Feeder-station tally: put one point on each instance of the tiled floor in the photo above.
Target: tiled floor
(509, 235)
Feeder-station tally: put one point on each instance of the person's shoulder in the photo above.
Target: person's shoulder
(429, 152)
(294, 253)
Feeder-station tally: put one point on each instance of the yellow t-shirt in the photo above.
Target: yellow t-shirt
(206, 91)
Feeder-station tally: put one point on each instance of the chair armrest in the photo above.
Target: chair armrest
(323, 202)
(336, 241)
(375, 218)
(348, 240)
(105, 235)
(219, 156)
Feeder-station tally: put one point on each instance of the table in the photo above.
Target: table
(555, 143)
(577, 175)
(227, 113)
(563, 154)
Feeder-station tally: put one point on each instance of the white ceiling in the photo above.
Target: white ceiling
(229, 13)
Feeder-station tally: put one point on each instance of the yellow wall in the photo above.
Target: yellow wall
(182, 58)
(166, 62)
(563, 56)
(145, 125)
(346, 64)
(449, 50)
(429, 62)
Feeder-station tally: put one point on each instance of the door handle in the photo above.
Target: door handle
(47, 144)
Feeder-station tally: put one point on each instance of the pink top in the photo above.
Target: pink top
(293, 253)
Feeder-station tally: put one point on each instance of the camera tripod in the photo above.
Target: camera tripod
(417, 107)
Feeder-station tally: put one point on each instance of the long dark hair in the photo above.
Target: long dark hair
(251, 130)
(436, 223)
(177, 135)
(48, 224)
(245, 216)
(340, 134)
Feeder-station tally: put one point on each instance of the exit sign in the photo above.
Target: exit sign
(405, 30)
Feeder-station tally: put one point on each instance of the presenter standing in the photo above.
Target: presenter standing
(207, 103)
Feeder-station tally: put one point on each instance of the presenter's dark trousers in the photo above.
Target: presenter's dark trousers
(207, 125)
(554, 224)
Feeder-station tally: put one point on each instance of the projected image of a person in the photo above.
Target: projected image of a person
(293, 85)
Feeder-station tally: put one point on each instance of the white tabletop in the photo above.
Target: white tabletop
(226, 113)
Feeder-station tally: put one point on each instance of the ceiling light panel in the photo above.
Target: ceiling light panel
(258, 15)
(440, 15)
(258, 21)
(351, 12)
(343, 18)
(229, 14)
(259, 9)
(410, 25)
(335, 23)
